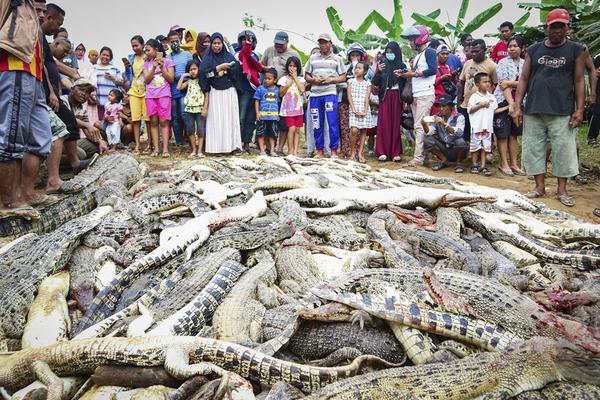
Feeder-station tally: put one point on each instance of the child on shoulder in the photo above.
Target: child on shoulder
(196, 107)
(266, 103)
(481, 108)
(112, 111)
(359, 95)
(292, 87)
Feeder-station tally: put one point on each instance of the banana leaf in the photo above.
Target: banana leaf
(462, 12)
(303, 56)
(382, 23)
(482, 18)
(397, 21)
(336, 23)
(366, 24)
(521, 21)
(366, 39)
(436, 27)
(435, 14)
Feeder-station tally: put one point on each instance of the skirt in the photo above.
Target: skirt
(389, 141)
(223, 133)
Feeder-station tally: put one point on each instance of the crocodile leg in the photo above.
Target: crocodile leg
(140, 325)
(45, 375)
(416, 344)
(337, 357)
(339, 208)
(177, 364)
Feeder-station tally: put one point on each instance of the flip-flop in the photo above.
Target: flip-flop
(21, 212)
(166, 155)
(596, 212)
(439, 166)
(459, 169)
(77, 187)
(507, 172)
(565, 200)
(486, 172)
(534, 194)
(518, 172)
(44, 200)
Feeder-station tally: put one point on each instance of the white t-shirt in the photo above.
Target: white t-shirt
(422, 86)
(482, 119)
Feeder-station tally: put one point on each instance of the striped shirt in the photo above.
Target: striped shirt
(103, 85)
(8, 62)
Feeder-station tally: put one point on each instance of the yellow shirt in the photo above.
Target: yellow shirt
(138, 85)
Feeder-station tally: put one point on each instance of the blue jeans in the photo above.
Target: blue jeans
(247, 115)
(325, 108)
(177, 109)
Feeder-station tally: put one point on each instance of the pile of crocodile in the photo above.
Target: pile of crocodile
(287, 278)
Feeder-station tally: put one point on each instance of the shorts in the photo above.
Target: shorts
(296, 120)
(537, 129)
(269, 128)
(504, 126)
(481, 140)
(58, 128)
(67, 116)
(194, 123)
(138, 108)
(160, 107)
(24, 124)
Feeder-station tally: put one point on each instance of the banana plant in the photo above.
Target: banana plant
(360, 35)
(452, 31)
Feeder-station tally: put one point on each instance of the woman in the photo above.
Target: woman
(219, 79)
(202, 45)
(189, 44)
(108, 77)
(137, 92)
(509, 69)
(389, 142)
(445, 78)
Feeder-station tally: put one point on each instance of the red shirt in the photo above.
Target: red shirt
(499, 51)
(442, 70)
(8, 62)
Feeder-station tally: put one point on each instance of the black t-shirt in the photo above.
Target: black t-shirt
(551, 89)
(52, 68)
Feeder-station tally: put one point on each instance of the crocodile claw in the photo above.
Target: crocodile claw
(361, 317)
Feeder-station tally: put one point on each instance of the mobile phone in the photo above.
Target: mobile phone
(232, 63)
(125, 60)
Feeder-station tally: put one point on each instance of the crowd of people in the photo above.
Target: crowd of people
(67, 103)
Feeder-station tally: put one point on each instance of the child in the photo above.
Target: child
(481, 107)
(371, 132)
(359, 94)
(292, 104)
(112, 111)
(196, 107)
(159, 72)
(267, 110)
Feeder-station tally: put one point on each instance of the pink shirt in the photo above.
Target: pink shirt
(113, 110)
(159, 86)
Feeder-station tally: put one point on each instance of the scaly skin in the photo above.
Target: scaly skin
(530, 365)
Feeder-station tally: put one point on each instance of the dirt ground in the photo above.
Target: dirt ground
(586, 196)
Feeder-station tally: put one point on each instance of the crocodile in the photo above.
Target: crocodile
(506, 198)
(239, 317)
(190, 319)
(394, 256)
(527, 366)
(494, 229)
(294, 262)
(187, 239)
(48, 318)
(181, 356)
(289, 210)
(48, 255)
(291, 182)
(169, 201)
(338, 200)
(450, 224)
(433, 243)
(337, 231)
(484, 298)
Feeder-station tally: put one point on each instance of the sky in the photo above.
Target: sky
(113, 22)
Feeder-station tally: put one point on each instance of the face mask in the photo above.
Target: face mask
(175, 46)
(354, 63)
(390, 56)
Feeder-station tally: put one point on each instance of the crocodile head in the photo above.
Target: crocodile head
(457, 199)
(572, 362)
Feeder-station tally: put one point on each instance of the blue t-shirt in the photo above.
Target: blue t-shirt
(180, 59)
(269, 102)
(454, 62)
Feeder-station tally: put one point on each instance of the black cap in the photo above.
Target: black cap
(160, 38)
(444, 100)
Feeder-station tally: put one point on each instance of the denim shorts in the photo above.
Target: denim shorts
(194, 123)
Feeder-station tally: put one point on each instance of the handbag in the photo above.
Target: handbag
(407, 94)
(449, 86)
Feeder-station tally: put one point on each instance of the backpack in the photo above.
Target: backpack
(19, 28)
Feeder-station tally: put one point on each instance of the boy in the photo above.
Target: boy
(266, 103)
(481, 107)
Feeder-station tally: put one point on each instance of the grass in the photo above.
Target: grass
(588, 155)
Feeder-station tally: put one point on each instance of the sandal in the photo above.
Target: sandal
(582, 180)
(396, 159)
(21, 212)
(565, 200)
(507, 172)
(361, 159)
(474, 169)
(67, 188)
(166, 155)
(592, 142)
(135, 152)
(596, 212)
(147, 151)
(518, 171)
(485, 171)
(200, 155)
(438, 166)
(534, 194)
(459, 169)
(382, 158)
(154, 154)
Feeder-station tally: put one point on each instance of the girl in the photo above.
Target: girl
(359, 94)
(196, 107)
(220, 78)
(292, 87)
(137, 91)
(158, 72)
(112, 111)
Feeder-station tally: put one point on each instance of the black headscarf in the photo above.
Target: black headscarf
(386, 79)
(208, 68)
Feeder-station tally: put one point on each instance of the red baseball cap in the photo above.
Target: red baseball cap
(558, 15)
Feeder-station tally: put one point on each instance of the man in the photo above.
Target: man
(178, 30)
(479, 62)
(500, 50)
(445, 135)
(553, 81)
(424, 69)
(276, 56)
(180, 58)
(69, 64)
(324, 70)
(93, 143)
(24, 125)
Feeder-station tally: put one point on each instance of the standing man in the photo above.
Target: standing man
(324, 70)
(24, 125)
(276, 56)
(500, 50)
(180, 58)
(554, 83)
